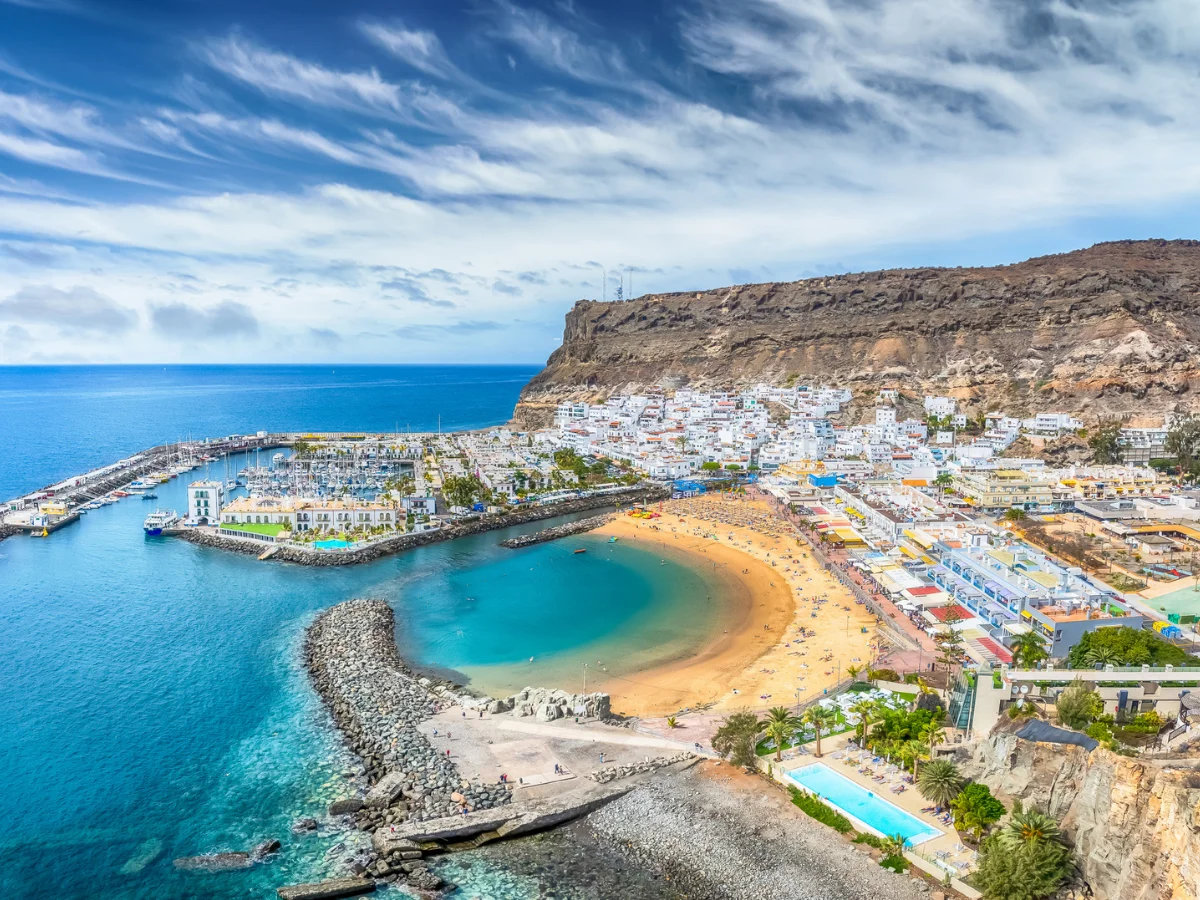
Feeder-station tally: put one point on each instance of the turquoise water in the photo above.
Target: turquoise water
(332, 544)
(153, 699)
(881, 816)
(151, 693)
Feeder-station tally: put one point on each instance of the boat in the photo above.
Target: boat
(149, 495)
(158, 520)
(613, 539)
(581, 550)
(121, 494)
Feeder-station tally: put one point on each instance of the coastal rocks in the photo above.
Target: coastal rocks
(377, 702)
(345, 807)
(1134, 822)
(613, 773)
(460, 528)
(265, 849)
(304, 826)
(548, 705)
(579, 526)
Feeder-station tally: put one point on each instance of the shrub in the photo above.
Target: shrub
(737, 738)
(897, 864)
(869, 839)
(883, 675)
(821, 811)
(1078, 705)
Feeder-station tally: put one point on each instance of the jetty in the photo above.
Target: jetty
(450, 770)
(554, 532)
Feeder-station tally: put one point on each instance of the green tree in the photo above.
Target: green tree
(939, 781)
(1183, 444)
(943, 481)
(865, 710)
(1078, 705)
(1028, 650)
(949, 640)
(912, 752)
(975, 809)
(817, 716)
(779, 725)
(1026, 870)
(1014, 515)
(1029, 827)
(1129, 646)
(1102, 656)
(1105, 442)
(737, 738)
(710, 466)
(463, 490)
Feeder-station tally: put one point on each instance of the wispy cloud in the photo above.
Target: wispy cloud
(184, 322)
(72, 311)
(420, 49)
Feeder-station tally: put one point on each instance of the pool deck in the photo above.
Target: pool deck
(833, 752)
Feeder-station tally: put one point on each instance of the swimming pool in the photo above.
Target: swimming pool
(880, 816)
(333, 544)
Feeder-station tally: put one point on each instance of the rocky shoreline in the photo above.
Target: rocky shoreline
(7, 531)
(554, 532)
(464, 528)
(376, 702)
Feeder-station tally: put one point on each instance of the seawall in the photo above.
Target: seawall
(464, 528)
(376, 702)
(555, 532)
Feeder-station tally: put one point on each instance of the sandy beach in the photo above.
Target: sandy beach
(792, 629)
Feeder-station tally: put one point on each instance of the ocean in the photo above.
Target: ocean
(153, 701)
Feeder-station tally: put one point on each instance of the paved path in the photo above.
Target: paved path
(593, 735)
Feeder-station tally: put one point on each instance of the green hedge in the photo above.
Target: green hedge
(821, 811)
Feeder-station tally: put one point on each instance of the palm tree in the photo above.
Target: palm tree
(853, 669)
(894, 845)
(939, 782)
(934, 734)
(816, 716)
(779, 725)
(1028, 828)
(1028, 650)
(912, 752)
(864, 709)
(1102, 656)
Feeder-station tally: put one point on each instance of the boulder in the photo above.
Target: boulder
(548, 712)
(266, 848)
(345, 807)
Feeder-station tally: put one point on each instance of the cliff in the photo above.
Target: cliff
(1135, 822)
(1110, 330)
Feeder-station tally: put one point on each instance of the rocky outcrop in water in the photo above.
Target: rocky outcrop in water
(463, 528)
(1135, 822)
(553, 533)
(1111, 330)
(613, 773)
(7, 531)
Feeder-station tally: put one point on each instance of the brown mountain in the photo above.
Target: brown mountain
(1113, 330)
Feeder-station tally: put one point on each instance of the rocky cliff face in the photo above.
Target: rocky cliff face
(1111, 330)
(1135, 823)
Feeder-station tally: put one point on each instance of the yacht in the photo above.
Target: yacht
(160, 519)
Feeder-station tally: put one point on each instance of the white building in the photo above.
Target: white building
(205, 499)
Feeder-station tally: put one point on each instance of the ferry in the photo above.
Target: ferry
(158, 520)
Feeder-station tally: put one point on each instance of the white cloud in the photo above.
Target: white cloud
(420, 49)
(797, 131)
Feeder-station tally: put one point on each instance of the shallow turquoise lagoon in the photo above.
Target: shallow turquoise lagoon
(154, 705)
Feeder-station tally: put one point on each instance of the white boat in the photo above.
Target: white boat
(160, 519)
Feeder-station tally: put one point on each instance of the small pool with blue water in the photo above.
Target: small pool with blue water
(881, 816)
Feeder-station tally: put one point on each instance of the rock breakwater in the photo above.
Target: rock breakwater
(305, 556)
(613, 773)
(554, 532)
(376, 702)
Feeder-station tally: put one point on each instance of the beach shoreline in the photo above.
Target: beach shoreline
(757, 660)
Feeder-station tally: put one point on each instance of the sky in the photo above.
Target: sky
(366, 181)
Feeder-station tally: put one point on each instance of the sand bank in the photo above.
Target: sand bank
(759, 660)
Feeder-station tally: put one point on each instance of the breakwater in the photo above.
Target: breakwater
(555, 532)
(7, 531)
(376, 702)
(296, 553)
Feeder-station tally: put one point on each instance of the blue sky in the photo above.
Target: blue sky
(204, 181)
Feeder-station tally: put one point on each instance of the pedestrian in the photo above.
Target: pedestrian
(601, 758)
